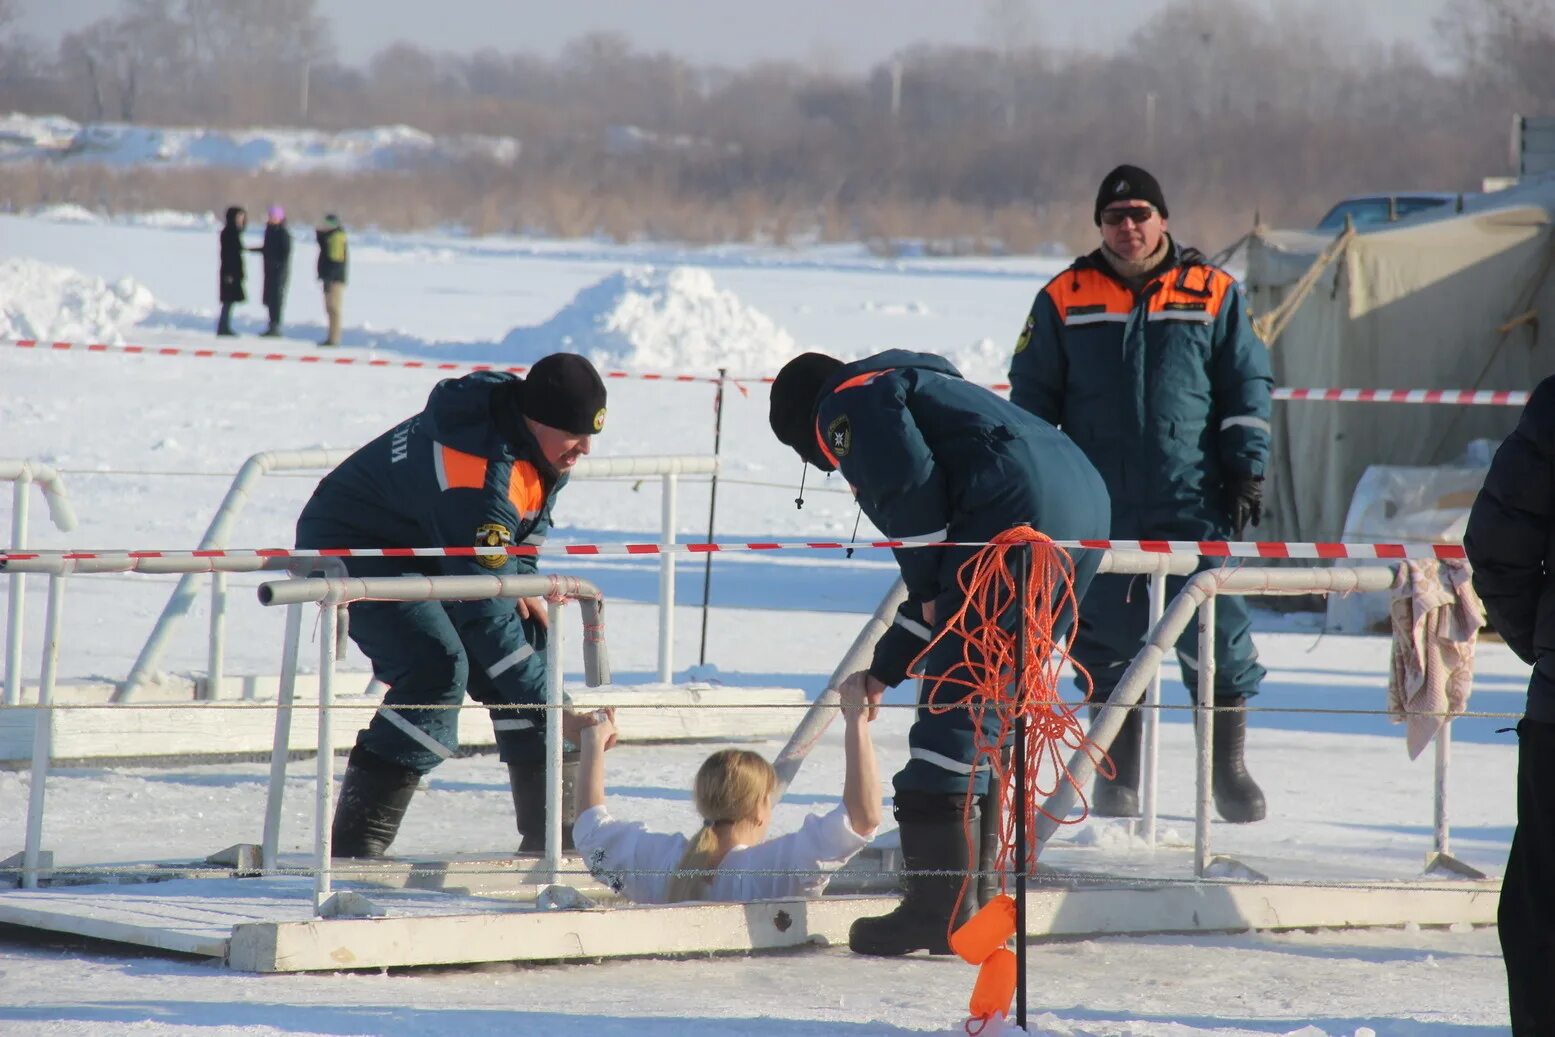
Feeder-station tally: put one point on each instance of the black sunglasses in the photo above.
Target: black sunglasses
(1137, 213)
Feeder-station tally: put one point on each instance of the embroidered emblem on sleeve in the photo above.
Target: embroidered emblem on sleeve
(839, 436)
(493, 534)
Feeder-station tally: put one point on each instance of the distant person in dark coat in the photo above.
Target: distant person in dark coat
(332, 272)
(232, 275)
(277, 253)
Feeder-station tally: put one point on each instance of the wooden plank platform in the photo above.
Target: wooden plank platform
(231, 725)
(267, 924)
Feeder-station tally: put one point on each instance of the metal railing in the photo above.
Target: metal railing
(667, 468)
(22, 474)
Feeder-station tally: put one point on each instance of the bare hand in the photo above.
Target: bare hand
(860, 693)
(929, 613)
(533, 608)
(596, 729)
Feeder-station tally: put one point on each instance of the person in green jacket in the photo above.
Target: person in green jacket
(333, 255)
(1144, 355)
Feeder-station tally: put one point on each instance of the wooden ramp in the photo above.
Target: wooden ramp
(486, 911)
(241, 721)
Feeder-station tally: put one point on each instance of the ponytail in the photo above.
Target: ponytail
(698, 857)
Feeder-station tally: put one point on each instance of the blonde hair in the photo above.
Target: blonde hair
(731, 785)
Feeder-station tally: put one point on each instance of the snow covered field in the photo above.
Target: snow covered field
(148, 445)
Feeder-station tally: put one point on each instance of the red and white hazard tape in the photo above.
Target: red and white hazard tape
(1491, 397)
(1202, 548)
(321, 359)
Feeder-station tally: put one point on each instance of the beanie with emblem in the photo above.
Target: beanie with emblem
(1129, 184)
(794, 393)
(565, 392)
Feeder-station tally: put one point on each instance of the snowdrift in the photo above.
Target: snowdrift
(44, 301)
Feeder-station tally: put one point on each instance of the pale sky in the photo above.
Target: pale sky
(845, 34)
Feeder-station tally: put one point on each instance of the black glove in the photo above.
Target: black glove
(1244, 502)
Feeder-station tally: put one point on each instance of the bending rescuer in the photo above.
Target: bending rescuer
(481, 465)
(932, 457)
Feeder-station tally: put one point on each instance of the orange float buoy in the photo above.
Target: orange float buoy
(986, 931)
(995, 986)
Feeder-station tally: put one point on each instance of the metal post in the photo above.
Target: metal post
(281, 747)
(42, 732)
(1443, 755)
(1022, 865)
(218, 646)
(326, 770)
(1150, 783)
(1206, 726)
(712, 510)
(13, 621)
(554, 689)
(667, 582)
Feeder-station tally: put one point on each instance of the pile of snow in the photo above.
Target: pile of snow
(170, 219)
(270, 149)
(43, 301)
(655, 319)
(67, 213)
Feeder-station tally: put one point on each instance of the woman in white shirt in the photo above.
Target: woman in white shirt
(733, 794)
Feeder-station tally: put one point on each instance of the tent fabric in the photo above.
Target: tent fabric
(1414, 306)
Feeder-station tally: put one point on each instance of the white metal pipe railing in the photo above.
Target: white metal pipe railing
(334, 594)
(22, 474)
(1150, 784)
(555, 692)
(824, 709)
(261, 464)
(1161, 640)
(182, 599)
(1205, 714)
(42, 733)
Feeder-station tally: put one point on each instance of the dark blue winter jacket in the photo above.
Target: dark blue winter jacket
(1511, 544)
(1165, 389)
(933, 457)
(464, 472)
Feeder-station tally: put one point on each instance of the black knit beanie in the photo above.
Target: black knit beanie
(795, 391)
(565, 392)
(1129, 184)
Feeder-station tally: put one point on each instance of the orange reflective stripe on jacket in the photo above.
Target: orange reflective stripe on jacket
(1189, 294)
(457, 470)
(526, 489)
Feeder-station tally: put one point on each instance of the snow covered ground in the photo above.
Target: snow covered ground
(269, 149)
(148, 444)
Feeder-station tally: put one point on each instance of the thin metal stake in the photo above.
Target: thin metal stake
(1022, 595)
(712, 508)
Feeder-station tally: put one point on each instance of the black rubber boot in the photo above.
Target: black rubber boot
(988, 848)
(1119, 796)
(932, 840)
(374, 796)
(527, 781)
(1238, 798)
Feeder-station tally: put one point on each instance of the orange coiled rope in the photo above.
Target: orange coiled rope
(984, 683)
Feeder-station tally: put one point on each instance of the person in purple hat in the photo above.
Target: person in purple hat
(277, 253)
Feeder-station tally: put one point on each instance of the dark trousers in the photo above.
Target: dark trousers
(942, 746)
(273, 306)
(224, 322)
(415, 650)
(1526, 915)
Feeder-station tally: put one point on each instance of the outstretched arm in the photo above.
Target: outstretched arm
(592, 743)
(861, 783)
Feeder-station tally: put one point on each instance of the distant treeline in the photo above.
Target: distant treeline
(1239, 108)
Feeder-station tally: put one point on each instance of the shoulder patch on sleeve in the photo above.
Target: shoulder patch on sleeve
(493, 534)
(839, 436)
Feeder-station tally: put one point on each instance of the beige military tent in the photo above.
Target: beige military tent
(1459, 302)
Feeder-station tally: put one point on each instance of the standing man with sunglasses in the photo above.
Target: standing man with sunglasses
(1143, 353)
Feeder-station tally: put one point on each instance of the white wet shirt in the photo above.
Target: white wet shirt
(614, 850)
